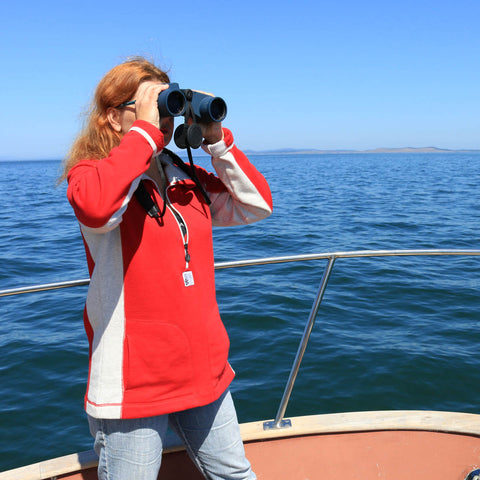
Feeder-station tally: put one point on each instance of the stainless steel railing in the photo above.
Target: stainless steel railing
(263, 261)
(279, 421)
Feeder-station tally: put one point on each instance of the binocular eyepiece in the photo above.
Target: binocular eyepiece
(173, 103)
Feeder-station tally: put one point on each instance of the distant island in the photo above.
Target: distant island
(297, 151)
(292, 151)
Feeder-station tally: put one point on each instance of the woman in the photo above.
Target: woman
(158, 348)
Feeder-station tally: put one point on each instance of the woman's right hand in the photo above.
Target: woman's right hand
(146, 107)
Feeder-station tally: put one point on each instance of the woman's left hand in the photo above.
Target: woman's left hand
(212, 132)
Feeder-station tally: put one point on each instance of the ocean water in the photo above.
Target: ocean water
(392, 333)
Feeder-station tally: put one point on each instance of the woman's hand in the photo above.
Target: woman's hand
(146, 107)
(212, 132)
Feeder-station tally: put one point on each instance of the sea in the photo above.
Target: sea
(391, 332)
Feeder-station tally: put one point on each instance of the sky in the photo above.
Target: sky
(309, 74)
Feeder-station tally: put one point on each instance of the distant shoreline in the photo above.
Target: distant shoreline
(294, 151)
(288, 151)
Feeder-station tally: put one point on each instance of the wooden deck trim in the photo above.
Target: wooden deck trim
(447, 422)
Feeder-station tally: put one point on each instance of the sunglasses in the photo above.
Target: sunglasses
(125, 104)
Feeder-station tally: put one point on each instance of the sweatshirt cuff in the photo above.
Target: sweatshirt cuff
(150, 133)
(222, 147)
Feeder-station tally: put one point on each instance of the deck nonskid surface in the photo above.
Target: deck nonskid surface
(386, 455)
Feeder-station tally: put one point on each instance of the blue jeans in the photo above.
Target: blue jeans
(132, 448)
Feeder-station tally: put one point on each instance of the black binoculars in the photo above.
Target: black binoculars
(174, 102)
(197, 106)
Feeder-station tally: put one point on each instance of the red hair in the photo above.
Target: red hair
(97, 138)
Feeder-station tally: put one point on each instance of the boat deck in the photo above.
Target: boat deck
(396, 445)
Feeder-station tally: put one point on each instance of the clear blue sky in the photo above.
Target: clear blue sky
(338, 74)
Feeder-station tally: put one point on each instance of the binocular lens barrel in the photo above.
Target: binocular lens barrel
(213, 109)
(176, 103)
(171, 102)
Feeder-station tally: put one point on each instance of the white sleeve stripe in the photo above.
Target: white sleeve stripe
(243, 203)
(217, 149)
(116, 218)
(147, 137)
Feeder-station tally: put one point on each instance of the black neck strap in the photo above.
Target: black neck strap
(189, 170)
(146, 200)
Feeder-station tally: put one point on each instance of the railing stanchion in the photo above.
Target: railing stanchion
(279, 422)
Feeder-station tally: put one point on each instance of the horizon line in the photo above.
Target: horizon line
(290, 150)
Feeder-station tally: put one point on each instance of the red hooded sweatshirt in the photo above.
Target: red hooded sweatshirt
(157, 343)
